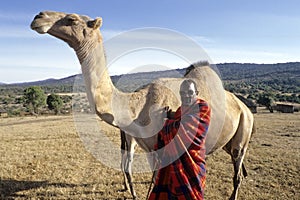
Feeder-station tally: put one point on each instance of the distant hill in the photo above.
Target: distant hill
(49, 82)
(284, 74)
(248, 71)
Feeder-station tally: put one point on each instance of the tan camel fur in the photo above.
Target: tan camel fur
(141, 114)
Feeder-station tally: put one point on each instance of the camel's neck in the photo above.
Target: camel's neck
(97, 80)
(111, 105)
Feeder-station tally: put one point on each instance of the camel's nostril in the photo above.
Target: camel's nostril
(38, 16)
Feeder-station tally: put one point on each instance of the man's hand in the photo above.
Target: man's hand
(170, 113)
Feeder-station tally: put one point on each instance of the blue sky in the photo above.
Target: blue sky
(257, 31)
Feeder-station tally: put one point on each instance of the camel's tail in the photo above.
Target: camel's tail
(253, 128)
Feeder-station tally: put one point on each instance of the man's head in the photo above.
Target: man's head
(188, 92)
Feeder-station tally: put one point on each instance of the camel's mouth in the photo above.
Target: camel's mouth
(40, 29)
(41, 23)
(40, 26)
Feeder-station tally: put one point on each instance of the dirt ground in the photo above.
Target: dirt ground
(44, 158)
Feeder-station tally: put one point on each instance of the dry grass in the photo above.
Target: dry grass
(272, 162)
(44, 158)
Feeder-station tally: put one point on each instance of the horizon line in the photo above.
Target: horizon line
(67, 76)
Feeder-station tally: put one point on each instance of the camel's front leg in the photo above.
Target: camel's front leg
(128, 162)
(124, 150)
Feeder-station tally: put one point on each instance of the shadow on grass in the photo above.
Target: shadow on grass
(10, 188)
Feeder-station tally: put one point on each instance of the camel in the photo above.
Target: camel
(141, 114)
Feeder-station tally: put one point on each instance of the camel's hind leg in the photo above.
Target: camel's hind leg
(237, 148)
(126, 162)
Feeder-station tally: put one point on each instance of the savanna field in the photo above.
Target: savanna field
(44, 158)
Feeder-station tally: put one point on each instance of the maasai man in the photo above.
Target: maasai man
(181, 149)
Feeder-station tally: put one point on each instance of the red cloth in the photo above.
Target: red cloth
(181, 150)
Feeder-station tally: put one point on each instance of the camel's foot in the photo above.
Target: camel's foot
(133, 193)
(233, 197)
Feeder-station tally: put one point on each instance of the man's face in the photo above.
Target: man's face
(188, 94)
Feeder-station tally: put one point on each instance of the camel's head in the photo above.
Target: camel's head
(71, 28)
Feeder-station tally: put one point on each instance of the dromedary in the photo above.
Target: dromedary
(141, 114)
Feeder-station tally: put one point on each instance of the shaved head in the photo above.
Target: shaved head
(188, 92)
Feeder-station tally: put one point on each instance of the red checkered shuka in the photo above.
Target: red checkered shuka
(181, 147)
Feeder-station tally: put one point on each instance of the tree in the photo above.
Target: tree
(34, 98)
(266, 99)
(54, 102)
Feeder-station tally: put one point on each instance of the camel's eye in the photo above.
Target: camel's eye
(71, 21)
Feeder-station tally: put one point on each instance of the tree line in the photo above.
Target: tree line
(263, 84)
(34, 100)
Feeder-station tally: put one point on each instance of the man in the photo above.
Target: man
(181, 149)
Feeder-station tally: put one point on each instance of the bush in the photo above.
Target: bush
(54, 102)
(34, 98)
(266, 99)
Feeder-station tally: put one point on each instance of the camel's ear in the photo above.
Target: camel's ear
(96, 23)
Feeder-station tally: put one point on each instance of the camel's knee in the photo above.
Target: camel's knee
(129, 157)
(123, 155)
(128, 162)
(237, 154)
